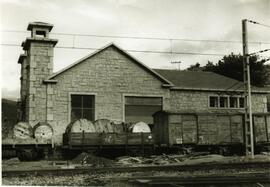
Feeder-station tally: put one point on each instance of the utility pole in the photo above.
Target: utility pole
(247, 93)
(177, 62)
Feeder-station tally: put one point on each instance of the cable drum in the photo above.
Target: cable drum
(140, 127)
(43, 130)
(104, 126)
(80, 126)
(23, 130)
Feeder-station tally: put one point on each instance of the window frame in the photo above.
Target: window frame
(80, 94)
(228, 102)
(216, 96)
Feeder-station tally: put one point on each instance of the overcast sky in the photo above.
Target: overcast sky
(183, 19)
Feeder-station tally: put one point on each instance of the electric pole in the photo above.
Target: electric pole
(177, 62)
(249, 143)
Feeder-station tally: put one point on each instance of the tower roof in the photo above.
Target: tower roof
(31, 25)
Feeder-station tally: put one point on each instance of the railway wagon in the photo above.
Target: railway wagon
(220, 133)
(29, 143)
(107, 135)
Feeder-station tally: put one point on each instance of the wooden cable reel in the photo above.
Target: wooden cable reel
(140, 127)
(103, 126)
(23, 130)
(43, 130)
(80, 126)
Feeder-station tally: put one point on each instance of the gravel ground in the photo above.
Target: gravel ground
(113, 179)
(109, 179)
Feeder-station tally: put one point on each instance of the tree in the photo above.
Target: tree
(232, 66)
(196, 67)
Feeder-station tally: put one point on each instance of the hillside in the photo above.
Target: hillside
(9, 116)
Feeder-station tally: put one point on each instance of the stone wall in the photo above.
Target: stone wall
(40, 60)
(109, 75)
(198, 101)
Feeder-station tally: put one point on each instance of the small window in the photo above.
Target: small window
(82, 106)
(213, 101)
(241, 102)
(223, 102)
(233, 102)
(40, 33)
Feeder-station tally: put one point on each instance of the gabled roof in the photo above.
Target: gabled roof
(161, 78)
(202, 80)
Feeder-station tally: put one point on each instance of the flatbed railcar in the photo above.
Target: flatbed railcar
(27, 149)
(125, 143)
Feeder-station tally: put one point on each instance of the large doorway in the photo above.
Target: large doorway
(141, 108)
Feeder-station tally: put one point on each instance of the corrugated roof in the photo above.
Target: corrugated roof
(202, 80)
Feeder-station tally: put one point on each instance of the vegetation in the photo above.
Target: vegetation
(9, 116)
(232, 66)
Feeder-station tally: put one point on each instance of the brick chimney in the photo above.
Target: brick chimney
(36, 66)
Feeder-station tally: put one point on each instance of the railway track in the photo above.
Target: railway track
(247, 178)
(94, 170)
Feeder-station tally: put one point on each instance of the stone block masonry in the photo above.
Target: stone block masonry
(109, 76)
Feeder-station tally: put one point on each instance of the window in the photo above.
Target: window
(214, 101)
(141, 108)
(226, 102)
(223, 102)
(241, 102)
(82, 106)
(233, 102)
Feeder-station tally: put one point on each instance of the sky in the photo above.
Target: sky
(218, 20)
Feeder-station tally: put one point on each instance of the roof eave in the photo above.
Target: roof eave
(217, 89)
(47, 81)
(26, 43)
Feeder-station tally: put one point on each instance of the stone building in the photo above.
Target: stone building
(110, 83)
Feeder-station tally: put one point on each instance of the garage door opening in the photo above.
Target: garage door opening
(141, 108)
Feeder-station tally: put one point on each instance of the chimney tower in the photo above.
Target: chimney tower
(36, 66)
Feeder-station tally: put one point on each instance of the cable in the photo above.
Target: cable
(257, 23)
(131, 50)
(232, 86)
(140, 38)
(261, 51)
(242, 84)
(264, 60)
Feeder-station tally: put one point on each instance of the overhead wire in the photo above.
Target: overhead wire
(261, 51)
(132, 50)
(141, 38)
(257, 23)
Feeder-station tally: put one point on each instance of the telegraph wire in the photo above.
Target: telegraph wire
(141, 38)
(241, 85)
(130, 50)
(264, 60)
(257, 23)
(232, 86)
(261, 51)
